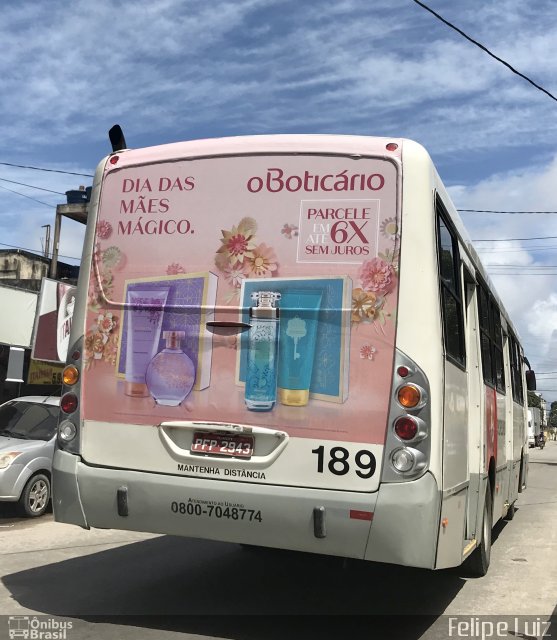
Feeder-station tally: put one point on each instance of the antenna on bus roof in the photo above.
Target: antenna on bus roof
(117, 139)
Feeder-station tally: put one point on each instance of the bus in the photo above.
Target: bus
(289, 341)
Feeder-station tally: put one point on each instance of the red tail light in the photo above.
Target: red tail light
(68, 402)
(406, 428)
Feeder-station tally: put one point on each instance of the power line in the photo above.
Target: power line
(13, 246)
(30, 198)
(518, 249)
(522, 266)
(510, 212)
(22, 184)
(485, 49)
(70, 173)
(507, 239)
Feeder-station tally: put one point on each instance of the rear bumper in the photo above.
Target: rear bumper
(255, 514)
(258, 514)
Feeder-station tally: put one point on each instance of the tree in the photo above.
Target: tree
(534, 400)
(552, 422)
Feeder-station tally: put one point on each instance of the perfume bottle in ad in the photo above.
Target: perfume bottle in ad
(171, 373)
(261, 378)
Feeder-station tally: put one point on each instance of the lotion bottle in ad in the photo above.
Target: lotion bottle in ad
(261, 379)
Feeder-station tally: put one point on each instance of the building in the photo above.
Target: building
(25, 270)
(21, 275)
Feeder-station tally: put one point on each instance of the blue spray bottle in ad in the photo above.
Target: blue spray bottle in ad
(261, 379)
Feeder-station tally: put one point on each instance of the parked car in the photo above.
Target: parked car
(27, 436)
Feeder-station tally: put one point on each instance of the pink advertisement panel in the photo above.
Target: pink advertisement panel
(255, 290)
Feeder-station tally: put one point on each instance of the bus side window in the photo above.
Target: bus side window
(450, 289)
(485, 331)
(491, 335)
(516, 370)
(498, 348)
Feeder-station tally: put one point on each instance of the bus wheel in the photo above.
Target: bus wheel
(35, 496)
(478, 562)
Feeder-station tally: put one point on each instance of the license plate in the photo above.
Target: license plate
(218, 444)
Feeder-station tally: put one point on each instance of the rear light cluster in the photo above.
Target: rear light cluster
(69, 402)
(407, 445)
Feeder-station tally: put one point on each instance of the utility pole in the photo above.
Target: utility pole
(47, 240)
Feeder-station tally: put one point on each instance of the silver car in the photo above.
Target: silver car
(27, 437)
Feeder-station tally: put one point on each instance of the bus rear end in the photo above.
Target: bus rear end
(233, 372)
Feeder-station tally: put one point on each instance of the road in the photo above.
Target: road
(113, 584)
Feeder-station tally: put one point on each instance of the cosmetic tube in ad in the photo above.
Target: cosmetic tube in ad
(298, 334)
(145, 312)
(261, 378)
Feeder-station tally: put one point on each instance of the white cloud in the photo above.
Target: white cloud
(518, 268)
(71, 66)
(175, 69)
(543, 319)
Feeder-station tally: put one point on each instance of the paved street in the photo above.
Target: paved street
(89, 577)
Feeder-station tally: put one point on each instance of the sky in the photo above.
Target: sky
(171, 70)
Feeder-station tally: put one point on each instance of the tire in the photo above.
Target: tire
(477, 563)
(35, 496)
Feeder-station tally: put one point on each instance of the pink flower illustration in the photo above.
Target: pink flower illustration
(104, 229)
(97, 254)
(101, 340)
(113, 258)
(234, 275)
(389, 228)
(262, 262)
(238, 244)
(92, 293)
(289, 230)
(367, 352)
(98, 341)
(174, 269)
(248, 225)
(364, 305)
(110, 351)
(377, 275)
(106, 322)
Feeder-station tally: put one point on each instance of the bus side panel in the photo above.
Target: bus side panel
(452, 530)
(455, 446)
(520, 445)
(405, 521)
(476, 411)
(455, 468)
(501, 489)
(418, 324)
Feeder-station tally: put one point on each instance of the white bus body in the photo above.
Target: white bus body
(398, 431)
(534, 426)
